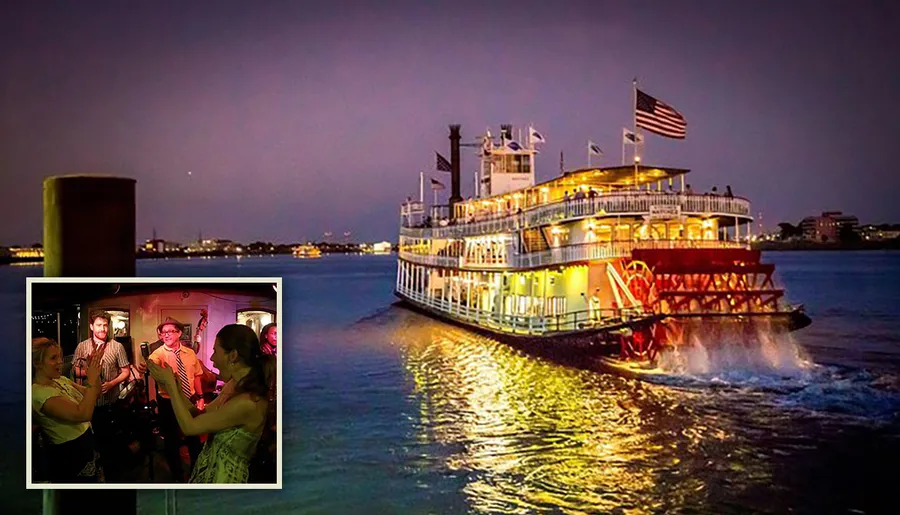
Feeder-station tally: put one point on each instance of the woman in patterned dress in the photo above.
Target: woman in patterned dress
(236, 419)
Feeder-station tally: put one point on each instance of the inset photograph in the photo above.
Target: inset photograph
(153, 383)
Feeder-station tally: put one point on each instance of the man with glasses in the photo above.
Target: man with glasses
(114, 370)
(184, 363)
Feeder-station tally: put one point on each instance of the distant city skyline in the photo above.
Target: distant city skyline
(322, 238)
(278, 122)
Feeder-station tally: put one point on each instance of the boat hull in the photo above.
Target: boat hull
(602, 348)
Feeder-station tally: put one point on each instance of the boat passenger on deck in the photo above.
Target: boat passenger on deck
(595, 305)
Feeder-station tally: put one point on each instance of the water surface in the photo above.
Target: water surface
(387, 411)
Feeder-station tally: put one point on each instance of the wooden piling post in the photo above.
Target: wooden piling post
(89, 231)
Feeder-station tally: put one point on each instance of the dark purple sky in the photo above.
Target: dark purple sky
(295, 119)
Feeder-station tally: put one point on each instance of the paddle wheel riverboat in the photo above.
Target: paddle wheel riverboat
(615, 260)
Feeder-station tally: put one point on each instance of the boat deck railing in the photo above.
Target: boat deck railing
(600, 250)
(635, 203)
(533, 325)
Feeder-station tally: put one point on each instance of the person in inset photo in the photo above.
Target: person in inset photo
(63, 411)
(115, 370)
(264, 465)
(268, 339)
(236, 420)
(184, 362)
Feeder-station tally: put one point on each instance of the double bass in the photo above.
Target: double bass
(209, 379)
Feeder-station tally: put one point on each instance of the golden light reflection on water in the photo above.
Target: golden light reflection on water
(27, 263)
(531, 435)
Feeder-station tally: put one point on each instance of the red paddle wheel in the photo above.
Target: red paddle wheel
(730, 284)
(642, 342)
(639, 279)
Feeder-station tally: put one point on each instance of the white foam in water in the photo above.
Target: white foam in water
(728, 352)
(758, 357)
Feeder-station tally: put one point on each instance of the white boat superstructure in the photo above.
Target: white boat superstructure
(593, 248)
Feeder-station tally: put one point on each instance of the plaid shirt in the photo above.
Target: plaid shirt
(111, 365)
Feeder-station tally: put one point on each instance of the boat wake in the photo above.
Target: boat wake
(734, 353)
(762, 360)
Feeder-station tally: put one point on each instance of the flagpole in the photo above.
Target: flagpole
(422, 187)
(475, 185)
(623, 146)
(634, 120)
(589, 153)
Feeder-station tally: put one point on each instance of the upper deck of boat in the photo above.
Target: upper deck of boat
(589, 192)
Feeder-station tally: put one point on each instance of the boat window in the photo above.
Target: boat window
(255, 319)
(119, 323)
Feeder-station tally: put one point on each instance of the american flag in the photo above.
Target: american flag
(442, 164)
(658, 117)
(436, 185)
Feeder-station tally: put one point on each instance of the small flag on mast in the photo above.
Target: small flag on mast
(442, 164)
(436, 185)
(658, 117)
(536, 137)
(630, 138)
(513, 145)
(486, 143)
(594, 149)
